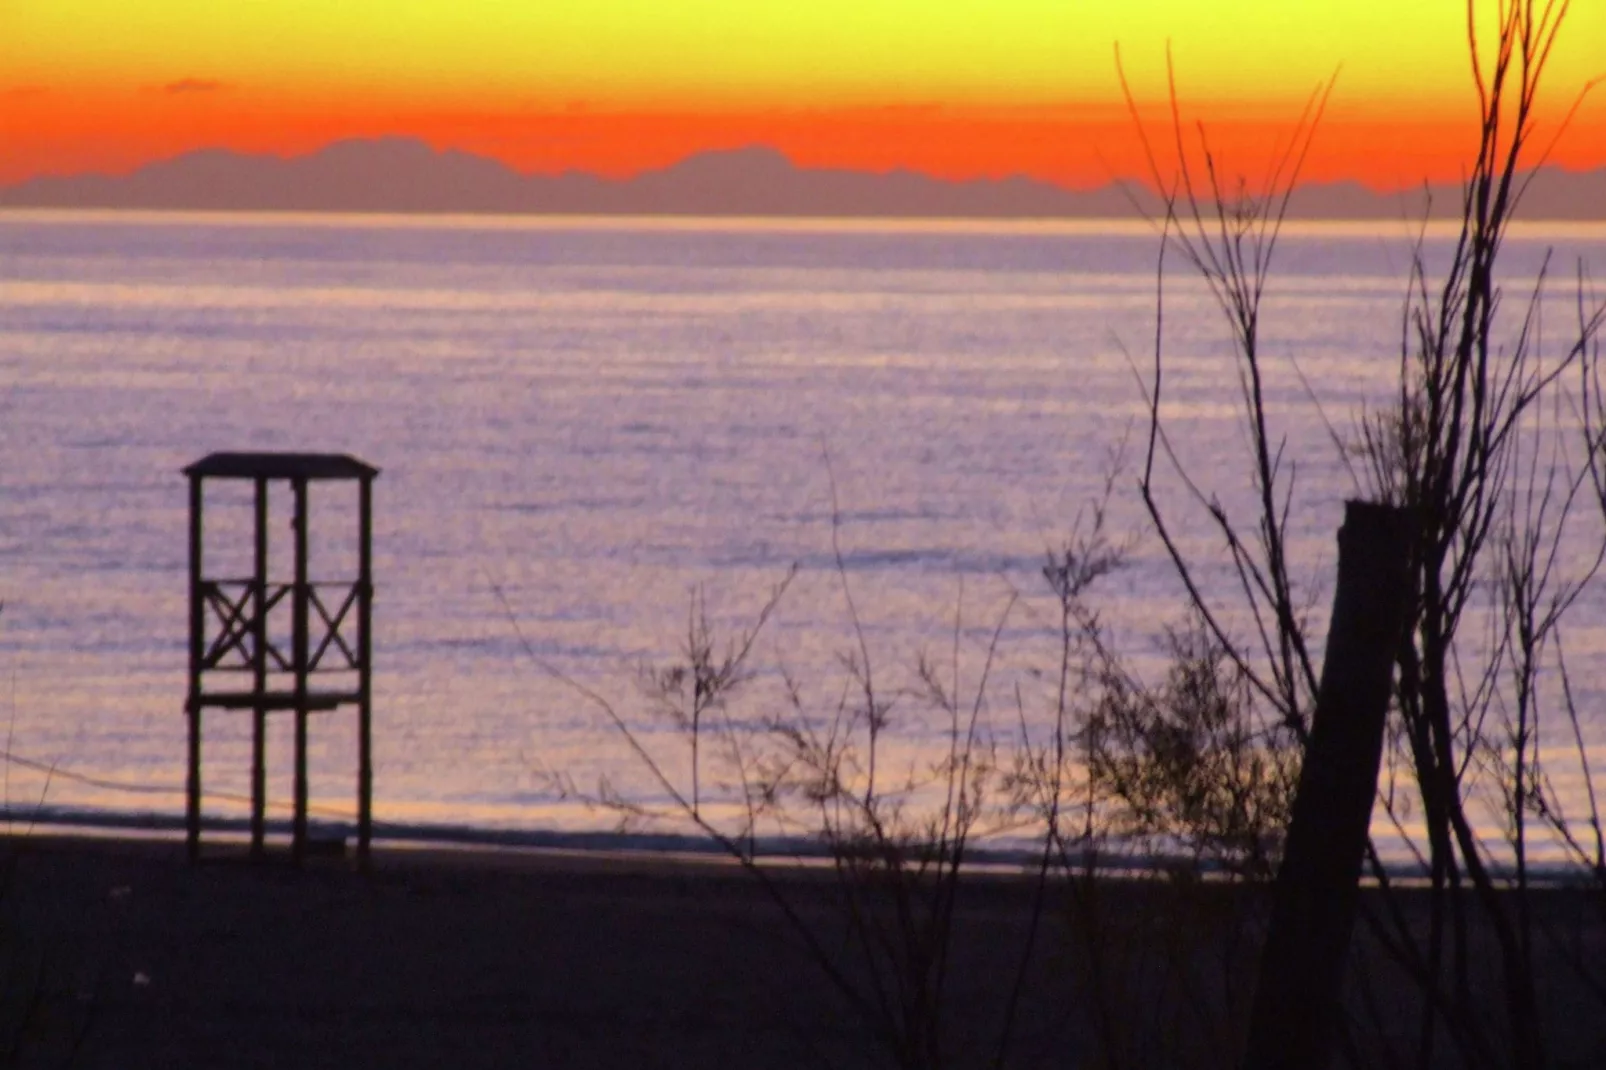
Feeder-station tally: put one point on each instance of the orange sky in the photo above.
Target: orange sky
(959, 89)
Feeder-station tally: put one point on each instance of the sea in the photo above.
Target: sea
(598, 436)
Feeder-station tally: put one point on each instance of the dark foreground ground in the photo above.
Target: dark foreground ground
(120, 954)
(445, 958)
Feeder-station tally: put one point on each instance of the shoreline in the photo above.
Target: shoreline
(228, 832)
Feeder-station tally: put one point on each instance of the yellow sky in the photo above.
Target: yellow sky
(1401, 59)
(629, 52)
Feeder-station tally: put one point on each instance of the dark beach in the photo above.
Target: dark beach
(122, 954)
(473, 958)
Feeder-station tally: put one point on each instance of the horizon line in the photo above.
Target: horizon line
(797, 223)
(714, 151)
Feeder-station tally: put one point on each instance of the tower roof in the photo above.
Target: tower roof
(280, 466)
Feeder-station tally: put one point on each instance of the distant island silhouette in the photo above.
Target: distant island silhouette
(399, 174)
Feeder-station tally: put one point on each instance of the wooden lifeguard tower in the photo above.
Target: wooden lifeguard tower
(230, 633)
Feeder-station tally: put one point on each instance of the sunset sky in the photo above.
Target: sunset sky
(955, 88)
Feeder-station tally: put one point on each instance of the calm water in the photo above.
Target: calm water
(599, 418)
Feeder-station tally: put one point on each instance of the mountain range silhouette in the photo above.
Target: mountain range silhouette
(400, 174)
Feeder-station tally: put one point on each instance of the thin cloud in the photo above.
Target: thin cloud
(22, 91)
(193, 85)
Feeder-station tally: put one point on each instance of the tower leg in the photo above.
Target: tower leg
(259, 674)
(259, 781)
(302, 666)
(365, 787)
(298, 846)
(192, 807)
(192, 708)
(365, 669)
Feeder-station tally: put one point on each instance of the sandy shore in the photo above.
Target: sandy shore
(120, 954)
(472, 958)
